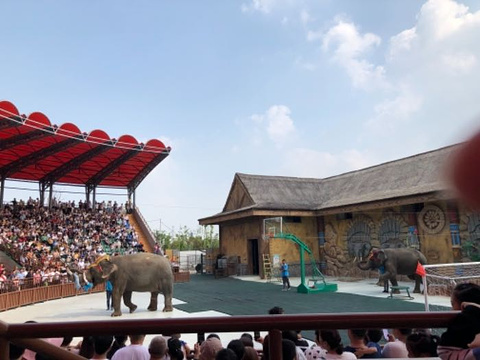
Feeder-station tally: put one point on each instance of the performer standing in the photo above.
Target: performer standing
(285, 275)
(108, 291)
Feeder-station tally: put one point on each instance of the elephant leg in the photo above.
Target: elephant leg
(167, 295)
(394, 282)
(127, 299)
(418, 280)
(153, 301)
(117, 302)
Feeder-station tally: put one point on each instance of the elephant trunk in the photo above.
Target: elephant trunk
(364, 265)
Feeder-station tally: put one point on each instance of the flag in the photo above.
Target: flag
(420, 270)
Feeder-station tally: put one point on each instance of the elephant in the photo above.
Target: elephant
(141, 272)
(396, 261)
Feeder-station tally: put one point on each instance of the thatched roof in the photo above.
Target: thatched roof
(415, 175)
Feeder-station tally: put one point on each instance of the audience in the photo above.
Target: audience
(44, 241)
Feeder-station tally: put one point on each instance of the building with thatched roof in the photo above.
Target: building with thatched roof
(405, 202)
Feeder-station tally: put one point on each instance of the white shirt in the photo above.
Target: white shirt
(132, 352)
(343, 356)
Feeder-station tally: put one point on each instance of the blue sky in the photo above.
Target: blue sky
(272, 87)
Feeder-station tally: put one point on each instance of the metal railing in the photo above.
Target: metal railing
(27, 334)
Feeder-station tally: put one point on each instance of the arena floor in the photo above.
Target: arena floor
(205, 296)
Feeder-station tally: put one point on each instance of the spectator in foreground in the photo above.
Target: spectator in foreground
(226, 354)
(396, 346)
(158, 348)
(250, 354)
(134, 351)
(208, 349)
(101, 346)
(422, 345)
(331, 341)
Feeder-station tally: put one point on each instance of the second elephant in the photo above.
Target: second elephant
(401, 261)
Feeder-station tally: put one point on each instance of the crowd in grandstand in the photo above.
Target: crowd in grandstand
(43, 240)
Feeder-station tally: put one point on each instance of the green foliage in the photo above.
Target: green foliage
(186, 239)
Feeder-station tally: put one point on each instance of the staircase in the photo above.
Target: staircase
(267, 267)
(142, 237)
(7, 261)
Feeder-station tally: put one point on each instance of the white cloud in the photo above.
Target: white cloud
(459, 63)
(304, 162)
(443, 18)
(348, 47)
(392, 113)
(275, 124)
(402, 42)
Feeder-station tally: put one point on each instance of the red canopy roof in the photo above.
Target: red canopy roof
(31, 148)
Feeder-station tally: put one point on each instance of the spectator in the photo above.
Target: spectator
(208, 349)
(315, 352)
(422, 345)
(158, 348)
(226, 354)
(276, 310)
(396, 346)
(462, 329)
(185, 347)
(358, 344)
(134, 351)
(464, 292)
(331, 341)
(118, 343)
(292, 336)
(250, 354)
(246, 339)
(101, 345)
(374, 337)
(289, 351)
(237, 347)
(175, 350)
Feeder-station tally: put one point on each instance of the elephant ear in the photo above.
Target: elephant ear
(108, 270)
(381, 256)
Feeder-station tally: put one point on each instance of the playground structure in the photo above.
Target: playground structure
(273, 229)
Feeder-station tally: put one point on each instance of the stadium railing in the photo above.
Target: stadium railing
(28, 334)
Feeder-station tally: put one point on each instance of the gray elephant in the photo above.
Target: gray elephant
(400, 261)
(141, 272)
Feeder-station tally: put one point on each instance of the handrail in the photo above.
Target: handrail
(271, 323)
(147, 231)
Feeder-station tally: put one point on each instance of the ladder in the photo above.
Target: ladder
(267, 267)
